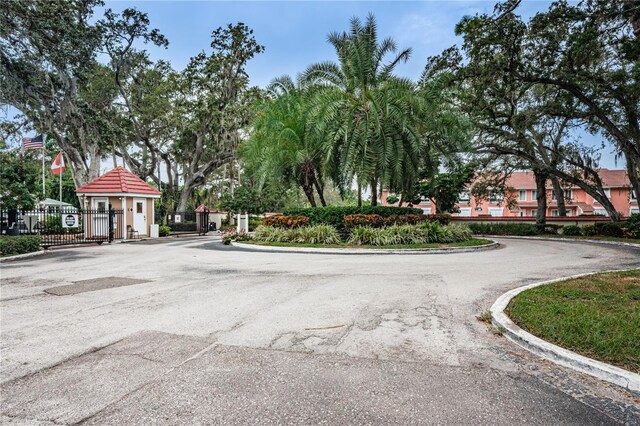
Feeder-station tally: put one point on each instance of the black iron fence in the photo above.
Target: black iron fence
(187, 222)
(65, 226)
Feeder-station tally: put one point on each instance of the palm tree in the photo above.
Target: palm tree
(280, 148)
(367, 117)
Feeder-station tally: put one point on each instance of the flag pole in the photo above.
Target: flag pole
(60, 173)
(43, 190)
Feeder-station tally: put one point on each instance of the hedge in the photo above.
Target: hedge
(287, 222)
(21, 244)
(519, 229)
(335, 215)
(183, 226)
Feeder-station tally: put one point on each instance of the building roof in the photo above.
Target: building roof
(610, 179)
(118, 181)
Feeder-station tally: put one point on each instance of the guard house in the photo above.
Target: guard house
(124, 191)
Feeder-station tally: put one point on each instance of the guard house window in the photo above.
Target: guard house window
(522, 195)
(102, 206)
(138, 207)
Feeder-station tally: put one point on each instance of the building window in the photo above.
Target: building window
(634, 197)
(521, 213)
(534, 195)
(424, 200)
(534, 212)
(495, 212)
(555, 213)
(426, 211)
(607, 193)
(634, 210)
(601, 211)
(522, 195)
(569, 213)
(465, 196)
(495, 198)
(568, 195)
(465, 212)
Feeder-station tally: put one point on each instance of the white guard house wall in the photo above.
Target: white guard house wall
(124, 191)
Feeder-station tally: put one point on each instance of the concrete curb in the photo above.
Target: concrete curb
(566, 240)
(22, 256)
(555, 353)
(450, 250)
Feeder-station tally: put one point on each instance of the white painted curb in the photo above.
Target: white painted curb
(450, 250)
(565, 240)
(555, 353)
(22, 256)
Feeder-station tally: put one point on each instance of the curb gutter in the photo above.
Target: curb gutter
(22, 256)
(554, 353)
(451, 250)
(565, 240)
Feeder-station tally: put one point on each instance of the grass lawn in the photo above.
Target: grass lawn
(597, 316)
(467, 243)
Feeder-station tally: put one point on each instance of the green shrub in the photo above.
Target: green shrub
(405, 219)
(459, 232)
(632, 226)
(441, 218)
(609, 229)
(286, 222)
(52, 225)
(318, 234)
(183, 227)
(354, 220)
(254, 222)
(424, 233)
(589, 230)
(519, 229)
(335, 215)
(21, 244)
(164, 231)
(572, 230)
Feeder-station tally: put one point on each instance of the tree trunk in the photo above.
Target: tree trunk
(359, 194)
(541, 188)
(320, 193)
(374, 192)
(308, 191)
(184, 197)
(231, 178)
(558, 190)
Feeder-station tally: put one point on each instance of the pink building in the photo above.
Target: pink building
(520, 201)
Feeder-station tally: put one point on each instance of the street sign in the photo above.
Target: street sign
(70, 221)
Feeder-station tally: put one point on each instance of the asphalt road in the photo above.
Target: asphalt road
(188, 331)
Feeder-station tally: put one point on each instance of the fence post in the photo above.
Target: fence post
(111, 217)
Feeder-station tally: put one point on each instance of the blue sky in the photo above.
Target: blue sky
(294, 32)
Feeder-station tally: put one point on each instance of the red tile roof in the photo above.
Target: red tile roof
(610, 179)
(118, 181)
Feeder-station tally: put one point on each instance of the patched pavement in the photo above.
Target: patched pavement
(191, 332)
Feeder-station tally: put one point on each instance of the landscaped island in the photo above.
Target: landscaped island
(597, 316)
(381, 227)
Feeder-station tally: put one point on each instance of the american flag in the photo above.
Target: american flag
(33, 143)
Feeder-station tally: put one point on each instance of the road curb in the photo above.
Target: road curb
(22, 256)
(566, 240)
(448, 250)
(555, 353)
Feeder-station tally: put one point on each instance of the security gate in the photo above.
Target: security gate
(58, 227)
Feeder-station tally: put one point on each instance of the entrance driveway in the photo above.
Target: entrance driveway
(192, 332)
